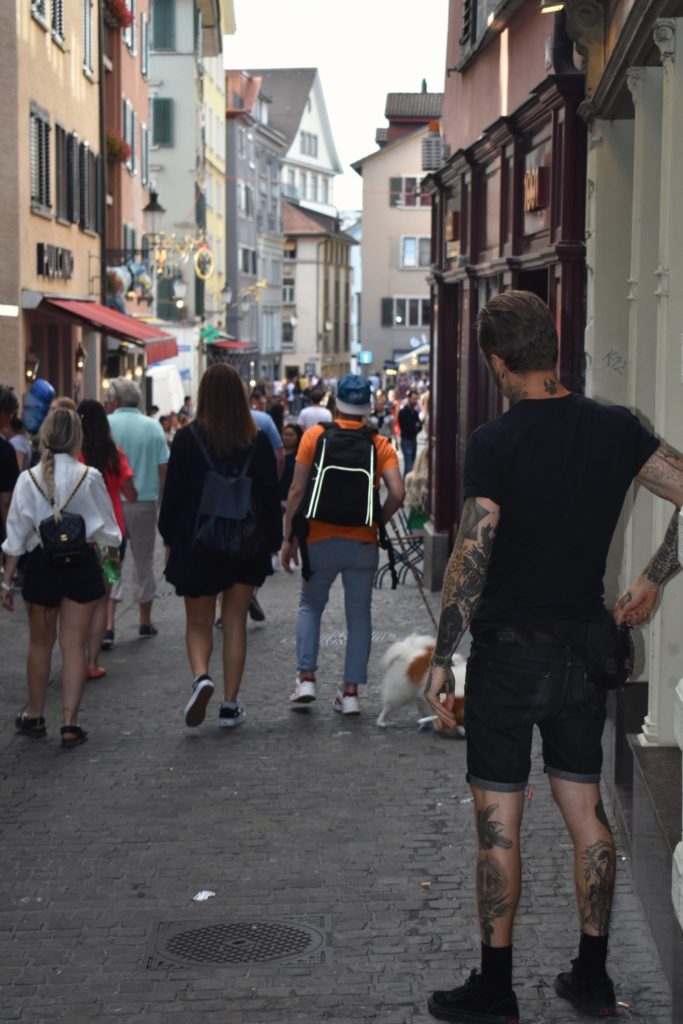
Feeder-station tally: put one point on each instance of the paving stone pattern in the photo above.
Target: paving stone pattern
(291, 816)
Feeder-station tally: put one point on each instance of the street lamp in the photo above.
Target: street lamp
(153, 215)
(226, 294)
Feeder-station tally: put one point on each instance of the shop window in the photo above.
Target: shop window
(415, 251)
(407, 192)
(40, 160)
(162, 121)
(163, 25)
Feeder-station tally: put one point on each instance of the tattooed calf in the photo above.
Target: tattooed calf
(598, 874)
(489, 832)
(493, 895)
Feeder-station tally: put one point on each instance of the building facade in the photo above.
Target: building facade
(634, 229)
(396, 247)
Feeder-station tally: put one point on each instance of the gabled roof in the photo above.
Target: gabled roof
(423, 105)
(296, 220)
(288, 89)
(242, 92)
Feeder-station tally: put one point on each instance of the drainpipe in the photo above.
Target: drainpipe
(563, 47)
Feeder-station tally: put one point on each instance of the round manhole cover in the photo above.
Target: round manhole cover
(240, 942)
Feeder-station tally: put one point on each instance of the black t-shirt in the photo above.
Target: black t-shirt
(409, 422)
(559, 469)
(9, 470)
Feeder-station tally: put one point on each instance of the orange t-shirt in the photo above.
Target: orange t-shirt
(386, 459)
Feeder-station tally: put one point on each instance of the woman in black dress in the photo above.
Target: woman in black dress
(227, 429)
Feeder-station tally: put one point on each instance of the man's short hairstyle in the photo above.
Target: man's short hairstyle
(518, 327)
(8, 400)
(127, 392)
(316, 395)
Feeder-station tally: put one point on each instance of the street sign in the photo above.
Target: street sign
(365, 357)
(390, 364)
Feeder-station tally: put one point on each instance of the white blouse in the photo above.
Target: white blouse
(28, 507)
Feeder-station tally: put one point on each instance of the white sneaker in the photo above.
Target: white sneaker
(304, 692)
(346, 703)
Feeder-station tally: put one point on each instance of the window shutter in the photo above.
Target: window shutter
(98, 167)
(163, 25)
(133, 142)
(387, 312)
(46, 197)
(395, 191)
(162, 121)
(58, 18)
(468, 24)
(72, 187)
(84, 185)
(35, 158)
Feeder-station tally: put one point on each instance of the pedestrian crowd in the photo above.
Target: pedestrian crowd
(309, 477)
(118, 476)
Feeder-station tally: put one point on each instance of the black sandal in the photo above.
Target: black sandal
(79, 735)
(34, 727)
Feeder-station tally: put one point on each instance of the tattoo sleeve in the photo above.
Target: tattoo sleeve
(663, 474)
(599, 869)
(664, 563)
(464, 577)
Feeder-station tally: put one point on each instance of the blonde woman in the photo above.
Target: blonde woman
(57, 599)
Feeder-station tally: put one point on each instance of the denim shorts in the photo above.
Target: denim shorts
(509, 689)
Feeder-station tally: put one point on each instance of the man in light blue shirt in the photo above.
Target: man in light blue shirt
(265, 423)
(142, 440)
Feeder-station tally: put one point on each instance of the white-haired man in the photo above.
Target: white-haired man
(142, 440)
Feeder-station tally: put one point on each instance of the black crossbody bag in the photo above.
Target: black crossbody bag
(63, 540)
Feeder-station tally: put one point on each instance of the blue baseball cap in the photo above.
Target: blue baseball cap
(354, 395)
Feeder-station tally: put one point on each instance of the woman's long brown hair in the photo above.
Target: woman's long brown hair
(223, 413)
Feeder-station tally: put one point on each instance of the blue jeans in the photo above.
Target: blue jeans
(357, 563)
(409, 449)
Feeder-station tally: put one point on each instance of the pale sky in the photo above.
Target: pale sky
(363, 50)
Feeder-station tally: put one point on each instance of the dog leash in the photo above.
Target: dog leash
(416, 575)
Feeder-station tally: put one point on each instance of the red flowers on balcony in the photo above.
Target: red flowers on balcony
(117, 14)
(118, 150)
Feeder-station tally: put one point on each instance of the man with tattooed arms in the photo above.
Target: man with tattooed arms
(544, 486)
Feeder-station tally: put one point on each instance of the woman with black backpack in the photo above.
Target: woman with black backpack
(60, 510)
(220, 521)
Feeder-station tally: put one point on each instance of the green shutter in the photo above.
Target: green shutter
(395, 191)
(162, 121)
(387, 312)
(163, 25)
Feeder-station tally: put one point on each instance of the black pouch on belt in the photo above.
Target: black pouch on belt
(606, 648)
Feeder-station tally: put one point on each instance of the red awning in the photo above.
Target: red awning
(158, 344)
(239, 345)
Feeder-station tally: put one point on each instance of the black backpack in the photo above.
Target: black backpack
(226, 525)
(341, 488)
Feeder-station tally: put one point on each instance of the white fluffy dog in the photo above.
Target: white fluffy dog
(406, 667)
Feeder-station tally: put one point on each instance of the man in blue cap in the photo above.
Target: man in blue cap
(342, 535)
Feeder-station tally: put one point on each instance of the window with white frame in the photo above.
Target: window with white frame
(130, 32)
(40, 159)
(288, 290)
(219, 256)
(130, 121)
(144, 45)
(219, 198)
(242, 143)
(405, 311)
(314, 188)
(290, 187)
(144, 155)
(416, 251)
(303, 184)
(87, 35)
(308, 144)
(325, 197)
(407, 192)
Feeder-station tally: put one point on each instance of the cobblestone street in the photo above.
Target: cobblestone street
(355, 838)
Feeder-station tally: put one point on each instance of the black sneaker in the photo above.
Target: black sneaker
(256, 612)
(108, 641)
(595, 997)
(470, 1004)
(147, 630)
(195, 709)
(228, 718)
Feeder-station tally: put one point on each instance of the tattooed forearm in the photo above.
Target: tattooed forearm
(599, 868)
(493, 895)
(664, 563)
(663, 474)
(489, 832)
(464, 577)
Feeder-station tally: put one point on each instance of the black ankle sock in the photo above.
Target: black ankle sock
(496, 969)
(592, 956)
